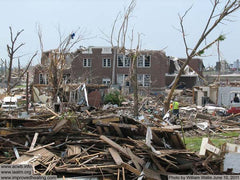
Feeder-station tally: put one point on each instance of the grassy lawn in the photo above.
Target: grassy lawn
(194, 143)
(20, 86)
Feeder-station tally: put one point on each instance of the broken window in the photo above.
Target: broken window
(87, 62)
(144, 80)
(43, 78)
(123, 80)
(66, 78)
(106, 62)
(123, 60)
(144, 61)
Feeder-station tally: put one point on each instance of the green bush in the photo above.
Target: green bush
(114, 98)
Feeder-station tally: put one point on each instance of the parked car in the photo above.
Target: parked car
(9, 103)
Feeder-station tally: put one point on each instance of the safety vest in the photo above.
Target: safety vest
(175, 105)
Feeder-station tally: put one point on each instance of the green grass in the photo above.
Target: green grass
(194, 143)
(20, 86)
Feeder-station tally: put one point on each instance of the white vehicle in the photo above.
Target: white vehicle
(9, 103)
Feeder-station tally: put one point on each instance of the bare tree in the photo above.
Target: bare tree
(215, 18)
(57, 58)
(12, 49)
(119, 46)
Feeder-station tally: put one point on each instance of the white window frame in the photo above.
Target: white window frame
(125, 61)
(44, 78)
(106, 81)
(143, 65)
(87, 62)
(106, 62)
(106, 50)
(123, 81)
(142, 80)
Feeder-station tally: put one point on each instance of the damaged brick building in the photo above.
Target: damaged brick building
(104, 65)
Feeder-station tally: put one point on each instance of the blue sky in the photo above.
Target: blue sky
(157, 20)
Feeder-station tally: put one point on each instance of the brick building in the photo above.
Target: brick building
(103, 65)
(191, 75)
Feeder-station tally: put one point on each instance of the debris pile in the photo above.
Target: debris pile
(110, 142)
(87, 144)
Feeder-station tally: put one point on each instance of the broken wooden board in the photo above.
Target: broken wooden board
(34, 141)
(115, 155)
(41, 154)
(106, 120)
(89, 167)
(131, 169)
(121, 149)
(205, 146)
(73, 150)
(59, 125)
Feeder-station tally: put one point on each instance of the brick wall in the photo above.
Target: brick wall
(157, 69)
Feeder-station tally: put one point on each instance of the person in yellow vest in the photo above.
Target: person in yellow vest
(171, 106)
(176, 108)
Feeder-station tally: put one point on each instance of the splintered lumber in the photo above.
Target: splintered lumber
(73, 150)
(158, 164)
(121, 149)
(118, 130)
(40, 147)
(12, 142)
(115, 155)
(77, 169)
(60, 125)
(123, 173)
(105, 120)
(131, 169)
(89, 156)
(34, 141)
(16, 152)
(99, 130)
(55, 114)
(88, 113)
(150, 174)
(133, 159)
(231, 116)
(206, 146)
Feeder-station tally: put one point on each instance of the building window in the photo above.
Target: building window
(123, 80)
(106, 62)
(87, 63)
(144, 61)
(123, 60)
(66, 78)
(43, 78)
(144, 80)
(106, 81)
(106, 50)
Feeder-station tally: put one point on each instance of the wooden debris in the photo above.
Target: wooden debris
(205, 146)
(118, 160)
(33, 141)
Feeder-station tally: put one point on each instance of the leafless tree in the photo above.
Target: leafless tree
(12, 49)
(215, 18)
(57, 58)
(118, 39)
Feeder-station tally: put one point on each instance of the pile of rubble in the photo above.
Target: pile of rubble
(110, 142)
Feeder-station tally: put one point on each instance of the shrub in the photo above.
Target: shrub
(114, 98)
